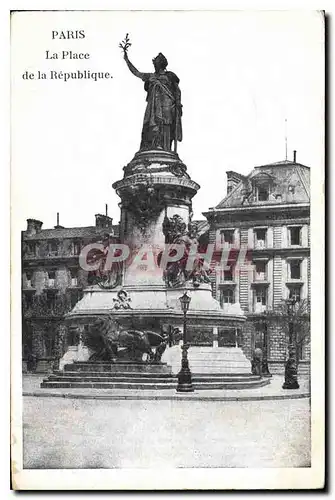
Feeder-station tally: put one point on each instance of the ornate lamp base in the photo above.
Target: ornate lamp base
(291, 371)
(290, 385)
(185, 376)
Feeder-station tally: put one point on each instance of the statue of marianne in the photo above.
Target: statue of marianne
(162, 118)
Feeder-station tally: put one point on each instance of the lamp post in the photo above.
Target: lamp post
(291, 370)
(184, 376)
(265, 366)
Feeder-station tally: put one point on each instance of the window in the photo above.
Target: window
(228, 275)
(28, 300)
(227, 296)
(295, 235)
(74, 277)
(260, 237)
(295, 293)
(51, 278)
(260, 271)
(29, 277)
(294, 267)
(76, 247)
(51, 299)
(31, 249)
(227, 237)
(260, 298)
(53, 248)
(263, 193)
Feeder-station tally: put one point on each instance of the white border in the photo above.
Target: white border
(182, 478)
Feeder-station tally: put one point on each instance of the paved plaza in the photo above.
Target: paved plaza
(79, 433)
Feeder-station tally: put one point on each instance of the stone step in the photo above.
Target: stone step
(245, 384)
(106, 385)
(111, 378)
(88, 366)
(104, 375)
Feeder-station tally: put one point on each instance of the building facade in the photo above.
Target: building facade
(52, 283)
(265, 216)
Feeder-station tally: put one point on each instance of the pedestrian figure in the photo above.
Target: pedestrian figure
(256, 363)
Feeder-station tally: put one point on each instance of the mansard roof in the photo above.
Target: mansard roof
(288, 183)
(202, 226)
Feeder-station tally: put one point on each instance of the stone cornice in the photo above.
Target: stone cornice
(254, 222)
(280, 251)
(259, 208)
(155, 180)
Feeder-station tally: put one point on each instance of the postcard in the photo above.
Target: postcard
(167, 172)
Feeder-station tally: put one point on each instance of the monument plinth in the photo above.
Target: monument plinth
(156, 210)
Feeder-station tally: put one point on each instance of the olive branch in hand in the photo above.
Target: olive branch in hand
(125, 44)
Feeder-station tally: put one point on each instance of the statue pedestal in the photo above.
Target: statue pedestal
(155, 186)
(156, 209)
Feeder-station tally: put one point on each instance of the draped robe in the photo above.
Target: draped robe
(162, 120)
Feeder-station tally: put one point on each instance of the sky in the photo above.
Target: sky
(242, 73)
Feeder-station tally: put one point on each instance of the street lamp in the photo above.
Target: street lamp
(291, 370)
(265, 366)
(184, 376)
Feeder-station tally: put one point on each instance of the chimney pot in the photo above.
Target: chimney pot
(34, 226)
(233, 179)
(103, 221)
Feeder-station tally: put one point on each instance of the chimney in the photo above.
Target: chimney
(57, 225)
(233, 178)
(294, 156)
(103, 222)
(34, 226)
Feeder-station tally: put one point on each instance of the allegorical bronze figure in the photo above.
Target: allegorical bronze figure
(162, 119)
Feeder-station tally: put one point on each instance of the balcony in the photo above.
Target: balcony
(260, 245)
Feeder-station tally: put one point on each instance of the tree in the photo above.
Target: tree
(300, 318)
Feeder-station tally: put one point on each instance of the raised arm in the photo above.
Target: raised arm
(132, 67)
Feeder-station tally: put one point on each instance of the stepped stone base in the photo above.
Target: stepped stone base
(156, 376)
(146, 381)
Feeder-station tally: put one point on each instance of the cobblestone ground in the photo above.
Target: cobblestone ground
(69, 433)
